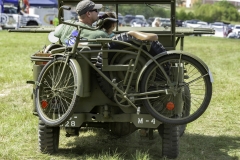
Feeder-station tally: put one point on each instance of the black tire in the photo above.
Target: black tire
(156, 46)
(121, 129)
(48, 138)
(56, 95)
(195, 73)
(118, 58)
(170, 141)
(32, 23)
(106, 88)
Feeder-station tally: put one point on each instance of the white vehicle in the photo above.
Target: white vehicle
(203, 24)
(138, 23)
(13, 19)
(47, 15)
(236, 29)
(165, 22)
(234, 35)
(141, 17)
(191, 23)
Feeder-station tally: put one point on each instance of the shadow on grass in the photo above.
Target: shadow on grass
(192, 146)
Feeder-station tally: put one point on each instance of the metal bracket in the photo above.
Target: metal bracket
(138, 110)
(34, 82)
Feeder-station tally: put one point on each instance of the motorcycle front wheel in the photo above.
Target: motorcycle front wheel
(56, 92)
(196, 80)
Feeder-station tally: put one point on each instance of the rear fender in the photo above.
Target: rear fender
(83, 75)
(78, 69)
(169, 53)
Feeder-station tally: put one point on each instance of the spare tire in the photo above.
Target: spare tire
(156, 48)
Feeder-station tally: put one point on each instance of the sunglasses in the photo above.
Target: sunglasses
(94, 10)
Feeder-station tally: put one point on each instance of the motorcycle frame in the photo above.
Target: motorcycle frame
(172, 89)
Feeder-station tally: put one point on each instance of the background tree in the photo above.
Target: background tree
(180, 2)
(182, 15)
(219, 11)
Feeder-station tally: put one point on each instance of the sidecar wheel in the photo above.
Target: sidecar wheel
(56, 92)
(197, 80)
(118, 58)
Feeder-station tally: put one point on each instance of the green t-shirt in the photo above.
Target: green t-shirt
(64, 32)
(55, 21)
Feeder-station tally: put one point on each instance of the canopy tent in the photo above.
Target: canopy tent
(21, 4)
(36, 3)
(15, 2)
(43, 3)
(1, 6)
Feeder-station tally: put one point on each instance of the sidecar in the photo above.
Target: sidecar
(95, 103)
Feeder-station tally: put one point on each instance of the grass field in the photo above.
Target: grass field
(214, 136)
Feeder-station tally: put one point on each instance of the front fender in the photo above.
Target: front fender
(51, 47)
(82, 71)
(78, 71)
(169, 53)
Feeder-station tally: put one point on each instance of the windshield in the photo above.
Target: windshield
(138, 15)
(143, 14)
(10, 10)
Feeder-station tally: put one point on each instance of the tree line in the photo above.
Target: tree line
(219, 11)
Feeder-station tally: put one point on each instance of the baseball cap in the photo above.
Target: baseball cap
(86, 5)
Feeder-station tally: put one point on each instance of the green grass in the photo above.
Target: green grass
(214, 136)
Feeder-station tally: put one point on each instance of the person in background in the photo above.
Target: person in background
(109, 25)
(156, 22)
(87, 14)
(55, 21)
(23, 6)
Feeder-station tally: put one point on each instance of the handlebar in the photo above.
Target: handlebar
(60, 13)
